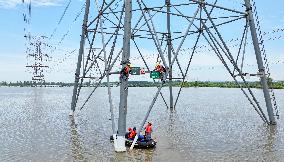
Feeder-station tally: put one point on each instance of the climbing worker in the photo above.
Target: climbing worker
(148, 131)
(162, 70)
(124, 73)
(133, 133)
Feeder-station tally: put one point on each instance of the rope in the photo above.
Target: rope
(68, 31)
(68, 53)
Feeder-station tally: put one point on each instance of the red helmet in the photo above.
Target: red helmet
(129, 129)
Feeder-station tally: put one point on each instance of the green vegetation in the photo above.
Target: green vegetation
(274, 85)
(226, 84)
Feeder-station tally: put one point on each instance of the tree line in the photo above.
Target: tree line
(224, 84)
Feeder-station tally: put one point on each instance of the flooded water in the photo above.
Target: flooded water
(209, 124)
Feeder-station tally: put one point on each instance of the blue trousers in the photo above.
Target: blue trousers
(148, 136)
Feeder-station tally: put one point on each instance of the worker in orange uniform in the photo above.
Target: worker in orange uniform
(124, 73)
(162, 70)
(128, 133)
(148, 131)
(132, 133)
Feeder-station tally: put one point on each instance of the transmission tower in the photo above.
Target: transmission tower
(123, 29)
(37, 59)
(36, 47)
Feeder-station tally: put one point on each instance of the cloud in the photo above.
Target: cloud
(14, 3)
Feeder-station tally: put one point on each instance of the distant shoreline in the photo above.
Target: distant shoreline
(225, 84)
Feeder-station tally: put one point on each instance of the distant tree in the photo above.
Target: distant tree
(269, 81)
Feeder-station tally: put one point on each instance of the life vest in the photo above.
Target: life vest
(148, 129)
(132, 134)
(160, 68)
(126, 69)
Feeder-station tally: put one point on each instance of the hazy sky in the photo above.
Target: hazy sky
(46, 14)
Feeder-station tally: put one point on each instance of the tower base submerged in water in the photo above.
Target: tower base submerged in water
(119, 144)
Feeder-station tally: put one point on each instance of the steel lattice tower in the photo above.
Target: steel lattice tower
(119, 27)
(37, 58)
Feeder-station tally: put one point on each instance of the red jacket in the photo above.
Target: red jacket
(148, 129)
(132, 134)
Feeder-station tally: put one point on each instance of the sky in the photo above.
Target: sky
(46, 15)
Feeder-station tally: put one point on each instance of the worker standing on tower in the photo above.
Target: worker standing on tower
(162, 70)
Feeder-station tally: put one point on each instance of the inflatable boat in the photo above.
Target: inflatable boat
(142, 144)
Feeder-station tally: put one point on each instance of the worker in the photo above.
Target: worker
(140, 137)
(128, 133)
(162, 70)
(133, 133)
(124, 73)
(148, 131)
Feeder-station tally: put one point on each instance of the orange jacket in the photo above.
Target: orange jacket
(127, 69)
(132, 134)
(160, 68)
(148, 129)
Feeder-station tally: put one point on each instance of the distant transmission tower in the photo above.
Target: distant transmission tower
(36, 47)
(37, 59)
(126, 30)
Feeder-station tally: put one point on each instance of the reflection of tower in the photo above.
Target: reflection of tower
(271, 142)
(38, 59)
(76, 148)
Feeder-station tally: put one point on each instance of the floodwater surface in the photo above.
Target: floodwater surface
(208, 124)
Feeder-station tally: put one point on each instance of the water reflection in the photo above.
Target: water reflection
(76, 144)
(149, 155)
(136, 155)
(271, 138)
(119, 157)
(171, 122)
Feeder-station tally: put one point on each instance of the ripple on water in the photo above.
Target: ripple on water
(209, 124)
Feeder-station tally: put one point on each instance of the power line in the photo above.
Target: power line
(69, 29)
(60, 20)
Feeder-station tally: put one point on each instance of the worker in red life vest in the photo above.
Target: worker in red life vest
(132, 133)
(127, 69)
(124, 73)
(128, 133)
(162, 70)
(148, 131)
